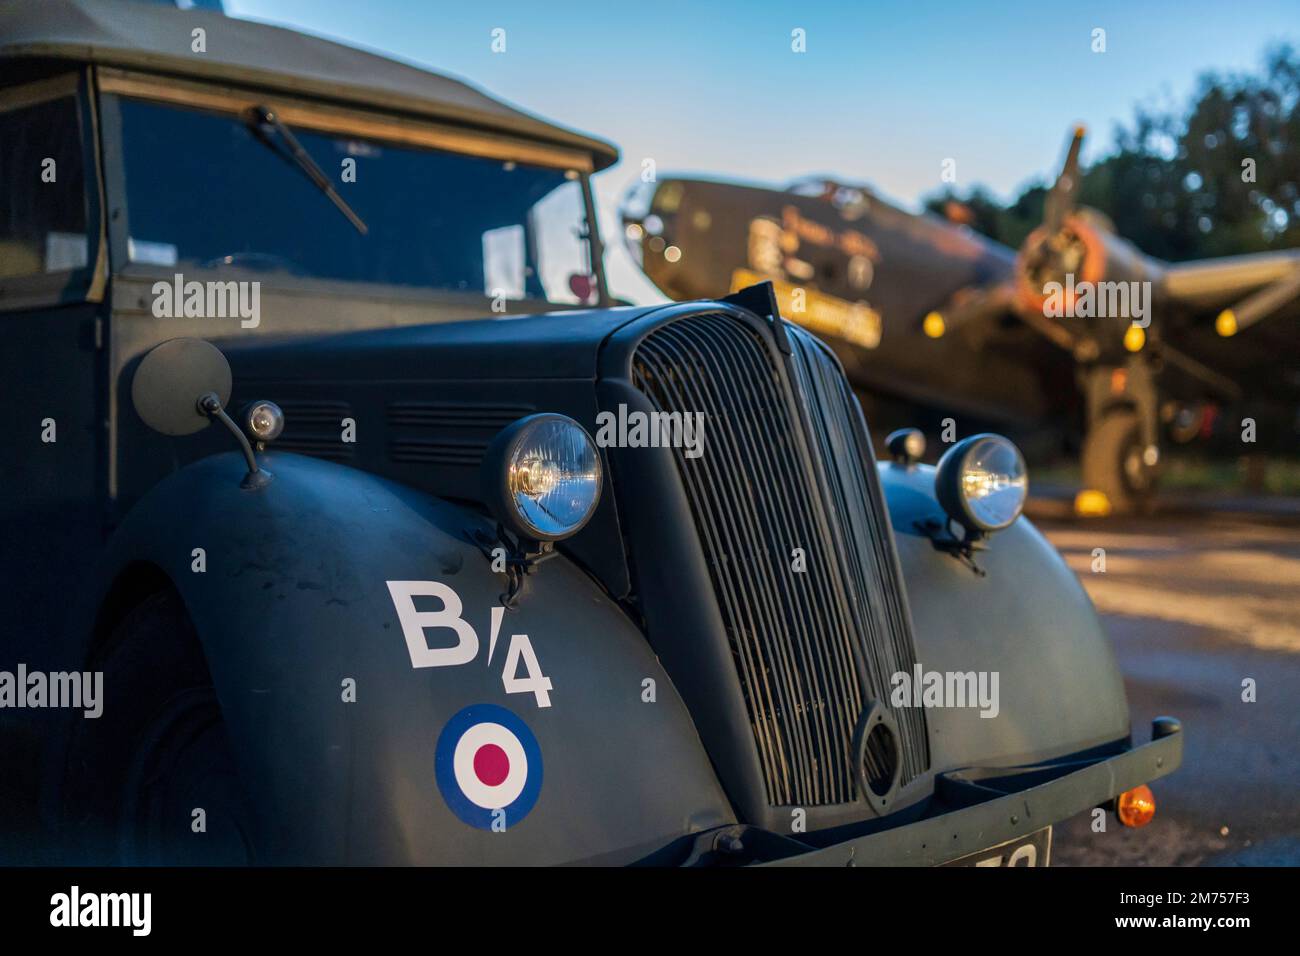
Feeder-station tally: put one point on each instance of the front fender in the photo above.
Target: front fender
(1028, 620)
(294, 602)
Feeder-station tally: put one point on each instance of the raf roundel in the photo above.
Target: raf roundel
(487, 760)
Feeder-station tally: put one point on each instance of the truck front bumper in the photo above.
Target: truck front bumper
(974, 809)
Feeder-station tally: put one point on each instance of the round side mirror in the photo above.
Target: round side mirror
(172, 378)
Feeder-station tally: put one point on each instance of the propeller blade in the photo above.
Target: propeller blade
(1060, 201)
(972, 305)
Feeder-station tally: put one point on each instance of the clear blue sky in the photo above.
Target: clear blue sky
(883, 94)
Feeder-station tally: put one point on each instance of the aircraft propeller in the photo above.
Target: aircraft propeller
(1060, 201)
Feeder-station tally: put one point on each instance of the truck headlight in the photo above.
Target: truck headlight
(982, 483)
(541, 477)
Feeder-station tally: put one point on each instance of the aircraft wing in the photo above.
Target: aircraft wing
(1238, 327)
(1245, 289)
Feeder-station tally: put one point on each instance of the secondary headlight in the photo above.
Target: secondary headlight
(982, 483)
(541, 477)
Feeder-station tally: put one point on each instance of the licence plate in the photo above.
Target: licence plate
(1032, 850)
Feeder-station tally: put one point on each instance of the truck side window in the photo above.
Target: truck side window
(42, 185)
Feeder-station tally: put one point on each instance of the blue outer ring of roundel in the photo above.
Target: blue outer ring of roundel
(462, 806)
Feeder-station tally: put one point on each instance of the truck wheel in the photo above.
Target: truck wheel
(1113, 465)
(136, 775)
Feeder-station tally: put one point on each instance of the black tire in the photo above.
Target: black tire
(1113, 465)
(134, 776)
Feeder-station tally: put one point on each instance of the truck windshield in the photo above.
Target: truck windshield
(203, 192)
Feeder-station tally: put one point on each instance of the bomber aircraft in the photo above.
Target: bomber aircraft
(1077, 338)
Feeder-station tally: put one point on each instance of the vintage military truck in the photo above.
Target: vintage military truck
(470, 565)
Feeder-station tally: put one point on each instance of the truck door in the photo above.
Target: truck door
(52, 456)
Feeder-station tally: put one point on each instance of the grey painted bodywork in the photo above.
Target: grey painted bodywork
(1028, 619)
(294, 601)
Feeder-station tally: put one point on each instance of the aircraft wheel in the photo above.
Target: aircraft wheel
(136, 775)
(1113, 463)
(1185, 422)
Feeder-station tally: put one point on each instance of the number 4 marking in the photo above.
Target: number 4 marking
(535, 682)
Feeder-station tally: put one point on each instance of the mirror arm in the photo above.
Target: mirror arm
(210, 405)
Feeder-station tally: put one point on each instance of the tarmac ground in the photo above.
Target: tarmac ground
(1203, 606)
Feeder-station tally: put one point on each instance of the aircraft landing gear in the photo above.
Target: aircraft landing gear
(1121, 457)
(1114, 463)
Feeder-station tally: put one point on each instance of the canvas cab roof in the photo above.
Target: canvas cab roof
(150, 37)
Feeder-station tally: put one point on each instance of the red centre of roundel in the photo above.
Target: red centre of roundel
(491, 765)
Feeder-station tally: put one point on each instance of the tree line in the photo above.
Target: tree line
(1219, 178)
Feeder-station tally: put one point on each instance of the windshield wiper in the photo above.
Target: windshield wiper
(266, 116)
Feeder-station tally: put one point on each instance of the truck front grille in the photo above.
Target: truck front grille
(784, 484)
